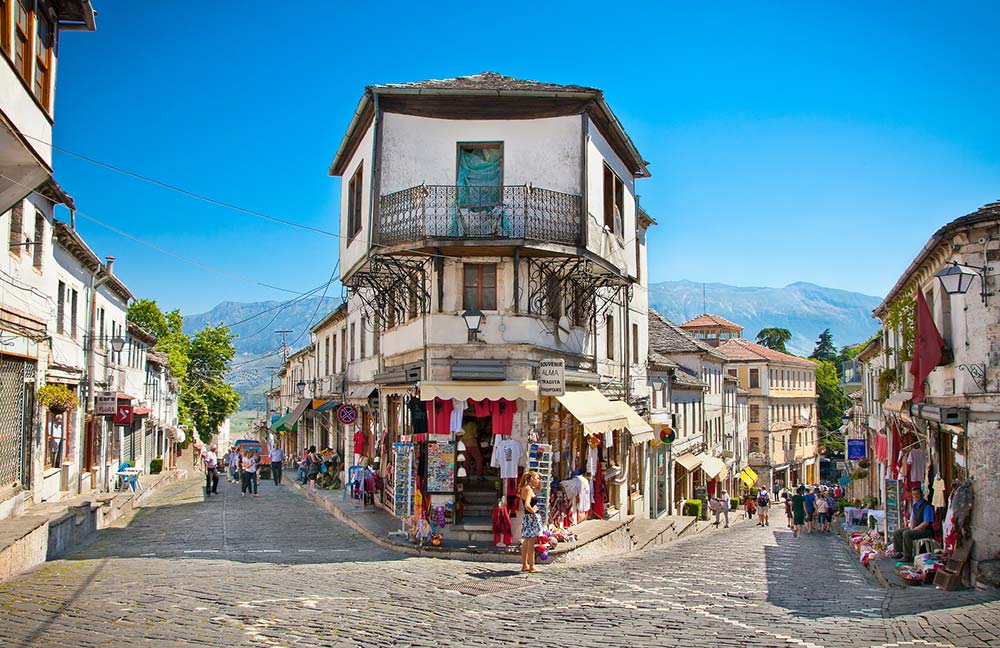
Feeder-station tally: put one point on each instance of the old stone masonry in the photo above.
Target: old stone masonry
(278, 571)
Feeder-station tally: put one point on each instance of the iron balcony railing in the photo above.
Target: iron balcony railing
(497, 212)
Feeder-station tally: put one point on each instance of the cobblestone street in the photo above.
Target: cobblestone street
(277, 571)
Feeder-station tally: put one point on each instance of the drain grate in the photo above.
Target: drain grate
(481, 586)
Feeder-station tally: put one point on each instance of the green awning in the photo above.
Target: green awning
(279, 425)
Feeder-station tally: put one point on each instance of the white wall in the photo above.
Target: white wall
(620, 252)
(352, 251)
(19, 106)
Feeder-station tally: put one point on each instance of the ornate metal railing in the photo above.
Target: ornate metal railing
(506, 212)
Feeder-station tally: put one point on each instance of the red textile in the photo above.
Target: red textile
(502, 532)
(881, 448)
(503, 411)
(926, 348)
(359, 442)
(897, 444)
(481, 408)
(439, 416)
(597, 508)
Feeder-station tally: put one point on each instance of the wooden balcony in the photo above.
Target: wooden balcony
(511, 212)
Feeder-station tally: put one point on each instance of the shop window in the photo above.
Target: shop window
(614, 202)
(755, 413)
(479, 286)
(754, 378)
(635, 469)
(16, 228)
(354, 195)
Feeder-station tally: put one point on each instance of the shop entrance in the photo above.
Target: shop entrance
(478, 483)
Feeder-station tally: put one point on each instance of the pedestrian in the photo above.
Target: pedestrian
(211, 472)
(234, 465)
(798, 511)
(277, 456)
(763, 504)
(810, 503)
(303, 467)
(750, 504)
(832, 508)
(531, 521)
(313, 463)
(249, 466)
(788, 507)
(716, 507)
(726, 505)
(822, 510)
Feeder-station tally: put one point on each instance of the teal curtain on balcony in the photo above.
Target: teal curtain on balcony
(480, 192)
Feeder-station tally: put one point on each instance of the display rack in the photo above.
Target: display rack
(540, 460)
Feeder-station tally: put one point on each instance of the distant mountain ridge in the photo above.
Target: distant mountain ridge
(803, 308)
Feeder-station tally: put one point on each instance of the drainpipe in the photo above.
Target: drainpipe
(97, 280)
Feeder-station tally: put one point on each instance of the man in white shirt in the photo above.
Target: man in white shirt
(211, 472)
(277, 456)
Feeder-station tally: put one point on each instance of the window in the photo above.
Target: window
(609, 325)
(353, 338)
(326, 354)
(43, 58)
(101, 332)
(411, 304)
(479, 177)
(614, 201)
(638, 258)
(755, 413)
(552, 301)
(754, 378)
(479, 286)
(22, 40)
(39, 245)
(635, 344)
(16, 228)
(731, 372)
(73, 295)
(354, 203)
(60, 307)
(364, 328)
(5, 26)
(55, 439)
(343, 350)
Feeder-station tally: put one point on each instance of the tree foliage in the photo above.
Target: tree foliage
(832, 402)
(825, 350)
(199, 364)
(774, 338)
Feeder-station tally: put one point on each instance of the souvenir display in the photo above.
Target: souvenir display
(440, 467)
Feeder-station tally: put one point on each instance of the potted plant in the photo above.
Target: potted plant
(57, 398)
(864, 463)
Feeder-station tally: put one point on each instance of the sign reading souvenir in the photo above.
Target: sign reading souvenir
(347, 414)
(856, 449)
(440, 467)
(551, 377)
(105, 403)
(123, 415)
(667, 434)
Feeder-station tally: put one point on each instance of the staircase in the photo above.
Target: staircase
(480, 497)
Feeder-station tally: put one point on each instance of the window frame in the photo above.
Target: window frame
(754, 377)
(609, 335)
(635, 343)
(60, 307)
(5, 20)
(38, 249)
(42, 59)
(355, 196)
(353, 341)
(16, 235)
(479, 286)
(27, 34)
(753, 416)
(614, 196)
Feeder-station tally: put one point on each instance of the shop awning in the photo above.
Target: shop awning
(326, 405)
(689, 461)
(141, 411)
(749, 477)
(899, 402)
(591, 408)
(480, 390)
(360, 393)
(639, 429)
(299, 410)
(282, 424)
(712, 467)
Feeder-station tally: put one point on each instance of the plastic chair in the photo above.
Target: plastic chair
(353, 476)
(925, 545)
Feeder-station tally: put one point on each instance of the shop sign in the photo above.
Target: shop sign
(856, 449)
(347, 414)
(552, 378)
(123, 415)
(105, 403)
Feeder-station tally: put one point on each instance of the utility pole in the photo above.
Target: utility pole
(284, 345)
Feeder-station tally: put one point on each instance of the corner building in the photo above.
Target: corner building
(489, 223)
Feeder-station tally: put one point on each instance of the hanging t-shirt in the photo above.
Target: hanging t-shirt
(481, 408)
(918, 465)
(457, 412)
(881, 447)
(503, 411)
(583, 502)
(508, 453)
(592, 460)
(439, 416)
(359, 442)
(418, 416)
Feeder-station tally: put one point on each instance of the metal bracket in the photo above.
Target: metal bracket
(978, 373)
(389, 287)
(575, 284)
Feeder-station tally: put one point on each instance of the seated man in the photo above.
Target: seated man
(920, 526)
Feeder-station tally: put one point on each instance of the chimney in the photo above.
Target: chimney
(110, 265)
(72, 219)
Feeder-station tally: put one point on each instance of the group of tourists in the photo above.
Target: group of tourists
(811, 508)
(241, 466)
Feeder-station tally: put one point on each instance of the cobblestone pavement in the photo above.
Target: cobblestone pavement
(278, 571)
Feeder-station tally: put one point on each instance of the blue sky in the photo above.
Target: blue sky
(820, 142)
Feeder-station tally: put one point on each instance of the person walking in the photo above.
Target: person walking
(249, 466)
(313, 463)
(810, 503)
(832, 509)
(787, 496)
(277, 457)
(234, 465)
(750, 504)
(822, 510)
(726, 505)
(211, 472)
(798, 511)
(763, 504)
(531, 521)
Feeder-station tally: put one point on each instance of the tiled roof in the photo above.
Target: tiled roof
(683, 378)
(665, 338)
(487, 82)
(740, 349)
(709, 321)
(660, 360)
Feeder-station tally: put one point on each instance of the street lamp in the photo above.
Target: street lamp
(956, 278)
(473, 318)
(117, 344)
(301, 386)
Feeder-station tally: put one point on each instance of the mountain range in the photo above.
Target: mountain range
(804, 309)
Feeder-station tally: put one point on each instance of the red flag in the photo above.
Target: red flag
(926, 348)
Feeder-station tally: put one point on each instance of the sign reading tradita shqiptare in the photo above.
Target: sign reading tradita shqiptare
(551, 377)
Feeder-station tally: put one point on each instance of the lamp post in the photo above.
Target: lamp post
(301, 387)
(956, 278)
(473, 319)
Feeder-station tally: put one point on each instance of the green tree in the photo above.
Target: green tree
(774, 338)
(825, 350)
(148, 316)
(209, 398)
(832, 402)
